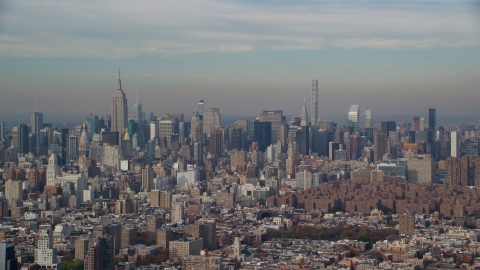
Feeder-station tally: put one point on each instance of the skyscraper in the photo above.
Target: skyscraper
(277, 119)
(216, 142)
(432, 127)
(64, 145)
(368, 118)
(2, 130)
(354, 116)
(314, 103)
(92, 125)
(201, 107)
(455, 144)
(8, 261)
(36, 123)
(137, 116)
(211, 120)
(119, 109)
(23, 141)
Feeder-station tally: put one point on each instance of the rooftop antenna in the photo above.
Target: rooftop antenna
(136, 95)
(35, 104)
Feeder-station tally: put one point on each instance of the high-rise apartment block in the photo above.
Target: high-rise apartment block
(455, 146)
(421, 169)
(381, 146)
(207, 231)
(179, 249)
(406, 224)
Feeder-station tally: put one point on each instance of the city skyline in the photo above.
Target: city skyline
(264, 55)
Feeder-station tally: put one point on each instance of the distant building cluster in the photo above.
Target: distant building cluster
(131, 191)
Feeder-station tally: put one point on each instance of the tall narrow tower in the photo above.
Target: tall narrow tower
(314, 102)
(119, 109)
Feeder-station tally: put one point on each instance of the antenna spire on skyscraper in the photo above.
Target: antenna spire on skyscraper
(119, 81)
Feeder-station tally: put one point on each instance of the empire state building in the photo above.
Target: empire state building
(119, 109)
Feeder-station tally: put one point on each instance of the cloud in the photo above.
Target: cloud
(123, 29)
(399, 44)
(446, 72)
(387, 65)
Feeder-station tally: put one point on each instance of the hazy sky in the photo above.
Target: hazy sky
(396, 57)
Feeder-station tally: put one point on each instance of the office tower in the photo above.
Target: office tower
(276, 119)
(354, 117)
(303, 140)
(81, 248)
(137, 117)
(207, 231)
(368, 118)
(164, 236)
(72, 147)
(83, 145)
(198, 153)
(8, 260)
(45, 253)
(180, 249)
(23, 139)
(369, 134)
(2, 131)
(216, 143)
(354, 146)
(381, 146)
(92, 126)
(119, 109)
(455, 145)
(196, 130)
(211, 120)
(263, 134)
(111, 137)
(432, 128)
(36, 123)
(64, 149)
(237, 138)
(166, 128)
(314, 103)
(153, 224)
(421, 124)
(388, 126)
(416, 123)
(153, 129)
(53, 170)
(201, 108)
(320, 139)
(406, 224)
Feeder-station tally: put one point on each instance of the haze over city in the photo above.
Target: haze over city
(395, 57)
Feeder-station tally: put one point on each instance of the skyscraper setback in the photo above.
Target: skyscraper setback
(119, 109)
